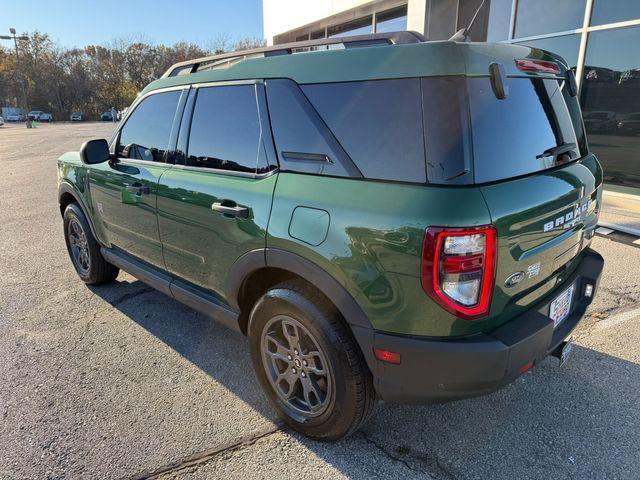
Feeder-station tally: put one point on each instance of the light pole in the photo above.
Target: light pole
(15, 43)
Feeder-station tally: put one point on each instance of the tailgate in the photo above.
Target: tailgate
(544, 221)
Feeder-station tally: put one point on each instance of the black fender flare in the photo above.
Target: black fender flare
(345, 303)
(64, 188)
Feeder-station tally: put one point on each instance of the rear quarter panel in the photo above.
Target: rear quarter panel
(373, 242)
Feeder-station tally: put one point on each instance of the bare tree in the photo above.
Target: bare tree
(97, 77)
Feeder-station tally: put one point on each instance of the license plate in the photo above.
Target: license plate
(561, 306)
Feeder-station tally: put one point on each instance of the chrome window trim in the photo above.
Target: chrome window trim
(221, 171)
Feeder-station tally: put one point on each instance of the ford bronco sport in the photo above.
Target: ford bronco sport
(382, 216)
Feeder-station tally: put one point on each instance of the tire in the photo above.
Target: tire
(340, 401)
(84, 250)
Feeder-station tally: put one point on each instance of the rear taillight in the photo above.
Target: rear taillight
(458, 268)
(538, 66)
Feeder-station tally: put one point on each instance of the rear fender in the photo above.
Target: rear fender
(311, 272)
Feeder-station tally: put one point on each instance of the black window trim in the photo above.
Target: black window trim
(114, 141)
(341, 157)
(182, 137)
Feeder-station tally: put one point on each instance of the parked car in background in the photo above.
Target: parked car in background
(76, 117)
(632, 75)
(1, 121)
(630, 125)
(16, 117)
(45, 117)
(106, 117)
(600, 121)
(34, 115)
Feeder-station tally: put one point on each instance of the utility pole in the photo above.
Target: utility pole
(15, 43)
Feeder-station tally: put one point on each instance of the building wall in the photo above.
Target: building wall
(289, 20)
(280, 16)
(599, 39)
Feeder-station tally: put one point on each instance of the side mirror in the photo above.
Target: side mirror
(94, 151)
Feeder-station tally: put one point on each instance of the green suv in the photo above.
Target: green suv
(382, 216)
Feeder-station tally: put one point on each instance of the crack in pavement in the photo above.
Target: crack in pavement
(204, 456)
(128, 296)
(441, 470)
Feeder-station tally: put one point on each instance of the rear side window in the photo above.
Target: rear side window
(145, 135)
(516, 136)
(225, 129)
(303, 141)
(447, 134)
(378, 123)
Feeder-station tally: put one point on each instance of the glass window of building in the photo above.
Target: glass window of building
(610, 97)
(566, 46)
(499, 20)
(537, 17)
(361, 26)
(392, 20)
(611, 11)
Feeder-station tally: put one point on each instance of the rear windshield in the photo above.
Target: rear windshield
(471, 136)
(520, 134)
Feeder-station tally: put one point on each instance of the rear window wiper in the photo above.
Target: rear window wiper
(558, 150)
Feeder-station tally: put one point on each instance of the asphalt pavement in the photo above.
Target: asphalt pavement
(121, 381)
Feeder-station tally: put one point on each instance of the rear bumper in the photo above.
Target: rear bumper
(434, 371)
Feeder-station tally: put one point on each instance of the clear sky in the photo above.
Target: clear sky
(75, 23)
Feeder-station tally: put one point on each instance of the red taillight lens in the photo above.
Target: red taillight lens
(539, 66)
(458, 269)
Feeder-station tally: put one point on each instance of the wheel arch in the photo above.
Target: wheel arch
(258, 270)
(67, 195)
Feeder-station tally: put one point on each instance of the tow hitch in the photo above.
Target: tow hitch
(563, 351)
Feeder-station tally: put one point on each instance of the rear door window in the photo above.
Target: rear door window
(225, 129)
(378, 123)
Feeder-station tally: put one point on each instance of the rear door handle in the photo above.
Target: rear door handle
(137, 189)
(230, 209)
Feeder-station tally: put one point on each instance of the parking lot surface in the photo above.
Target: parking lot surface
(121, 381)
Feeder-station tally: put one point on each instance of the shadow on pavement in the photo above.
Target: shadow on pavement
(578, 421)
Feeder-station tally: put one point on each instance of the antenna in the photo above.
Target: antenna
(462, 35)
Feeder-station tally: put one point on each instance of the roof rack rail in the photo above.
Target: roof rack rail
(206, 63)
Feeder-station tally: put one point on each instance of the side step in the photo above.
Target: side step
(189, 295)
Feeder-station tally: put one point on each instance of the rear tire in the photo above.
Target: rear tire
(84, 250)
(308, 363)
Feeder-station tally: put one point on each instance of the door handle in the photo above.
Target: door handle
(137, 189)
(231, 209)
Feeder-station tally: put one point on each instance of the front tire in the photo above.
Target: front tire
(84, 250)
(308, 363)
